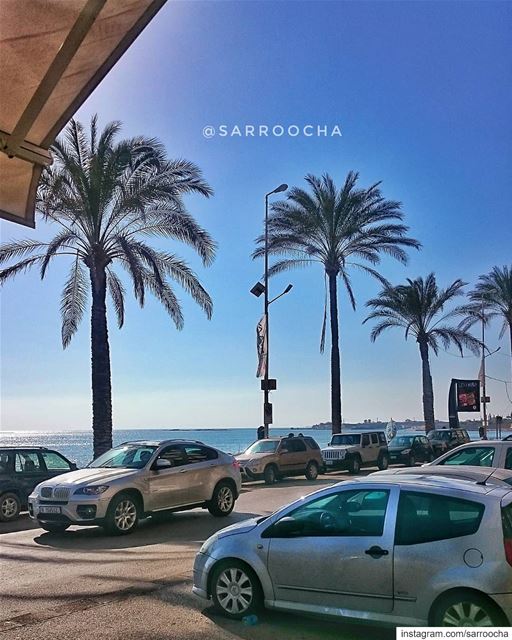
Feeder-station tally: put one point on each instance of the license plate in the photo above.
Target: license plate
(329, 462)
(49, 510)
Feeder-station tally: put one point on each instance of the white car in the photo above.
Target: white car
(481, 453)
(135, 480)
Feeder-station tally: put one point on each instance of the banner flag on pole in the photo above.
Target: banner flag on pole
(481, 375)
(261, 346)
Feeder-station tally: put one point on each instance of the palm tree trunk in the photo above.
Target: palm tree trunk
(100, 360)
(335, 355)
(428, 390)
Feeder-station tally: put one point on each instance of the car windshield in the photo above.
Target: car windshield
(345, 438)
(438, 435)
(126, 457)
(263, 446)
(401, 441)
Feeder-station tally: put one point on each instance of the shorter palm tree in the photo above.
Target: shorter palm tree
(491, 298)
(418, 308)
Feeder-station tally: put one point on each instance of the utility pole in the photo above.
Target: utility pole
(484, 399)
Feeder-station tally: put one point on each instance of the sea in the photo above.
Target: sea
(77, 445)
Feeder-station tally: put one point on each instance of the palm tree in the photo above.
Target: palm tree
(418, 307)
(341, 229)
(106, 197)
(491, 298)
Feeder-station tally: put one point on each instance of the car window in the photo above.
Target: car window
(476, 456)
(128, 456)
(401, 441)
(345, 439)
(5, 461)
(175, 455)
(27, 462)
(262, 446)
(508, 458)
(313, 444)
(382, 438)
(196, 453)
(365, 440)
(298, 446)
(347, 513)
(425, 517)
(375, 438)
(54, 462)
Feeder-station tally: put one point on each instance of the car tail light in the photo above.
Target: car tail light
(506, 520)
(236, 464)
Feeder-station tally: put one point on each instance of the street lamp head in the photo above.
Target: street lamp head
(288, 288)
(281, 187)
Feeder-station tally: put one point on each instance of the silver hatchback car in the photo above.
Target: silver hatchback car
(400, 550)
(137, 479)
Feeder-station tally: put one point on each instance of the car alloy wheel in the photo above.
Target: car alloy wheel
(223, 500)
(467, 614)
(270, 474)
(125, 515)
(9, 507)
(236, 590)
(311, 471)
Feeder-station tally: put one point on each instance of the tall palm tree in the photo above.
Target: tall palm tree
(418, 307)
(341, 229)
(106, 197)
(491, 298)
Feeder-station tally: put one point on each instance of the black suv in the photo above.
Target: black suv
(410, 448)
(21, 469)
(442, 440)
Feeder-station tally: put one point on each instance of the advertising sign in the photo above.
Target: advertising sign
(468, 395)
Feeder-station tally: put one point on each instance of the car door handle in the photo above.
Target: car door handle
(376, 552)
(183, 470)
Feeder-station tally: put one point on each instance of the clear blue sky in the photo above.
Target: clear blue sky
(422, 92)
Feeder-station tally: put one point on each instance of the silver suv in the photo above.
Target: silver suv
(135, 480)
(351, 451)
(392, 549)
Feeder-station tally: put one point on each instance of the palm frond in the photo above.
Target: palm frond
(73, 301)
(116, 290)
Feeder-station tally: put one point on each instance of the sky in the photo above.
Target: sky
(422, 95)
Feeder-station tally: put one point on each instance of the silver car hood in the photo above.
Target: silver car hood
(240, 527)
(89, 476)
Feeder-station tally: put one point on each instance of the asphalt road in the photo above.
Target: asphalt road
(83, 584)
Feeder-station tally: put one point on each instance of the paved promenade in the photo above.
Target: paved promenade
(85, 585)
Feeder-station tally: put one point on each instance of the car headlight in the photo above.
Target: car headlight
(95, 490)
(208, 545)
(406, 451)
(254, 464)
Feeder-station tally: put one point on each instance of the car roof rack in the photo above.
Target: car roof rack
(18, 446)
(159, 442)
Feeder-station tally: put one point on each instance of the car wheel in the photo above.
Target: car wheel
(270, 474)
(223, 500)
(311, 472)
(383, 462)
(236, 590)
(122, 515)
(10, 507)
(411, 461)
(466, 609)
(53, 528)
(355, 466)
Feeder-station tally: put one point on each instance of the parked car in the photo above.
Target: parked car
(485, 475)
(135, 480)
(409, 449)
(21, 469)
(352, 451)
(442, 440)
(482, 453)
(356, 550)
(274, 458)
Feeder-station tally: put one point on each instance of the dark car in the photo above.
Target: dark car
(21, 469)
(410, 449)
(442, 440)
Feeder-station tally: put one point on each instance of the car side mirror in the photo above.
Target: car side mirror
(161, 464)
(73, 466)
(285, 528)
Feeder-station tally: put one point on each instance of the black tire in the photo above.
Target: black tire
(233, 574)
(465, 608)
(311, 472)
(53, 527)
(223, 500)
(270, 474)
(383, 462)
(411, 460)
(354, 466)
(10, 507)
(122, 515)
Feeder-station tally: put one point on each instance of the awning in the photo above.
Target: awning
(53, 54)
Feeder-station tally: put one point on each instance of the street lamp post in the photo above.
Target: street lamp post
(267, 408)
